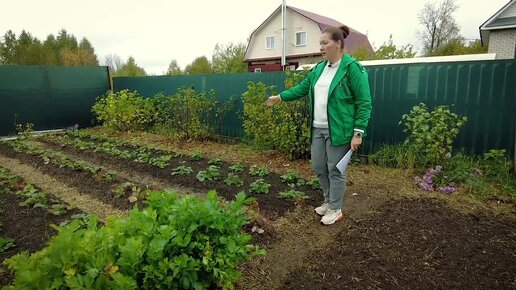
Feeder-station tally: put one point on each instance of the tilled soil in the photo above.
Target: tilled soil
(28, 227)
(415, 244)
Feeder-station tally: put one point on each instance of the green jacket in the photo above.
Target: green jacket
(349, 100)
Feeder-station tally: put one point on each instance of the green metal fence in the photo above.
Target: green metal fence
(50, 97)
(484, 91)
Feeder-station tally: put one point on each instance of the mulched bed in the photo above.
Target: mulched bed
(27, 226)
(96, 187)
(270, 204)
(415, 244)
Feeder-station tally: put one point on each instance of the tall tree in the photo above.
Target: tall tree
(130, 69)
(173, 68)
(200, 65)
(8, 48)
(439, 26)
(229, 58)
(113, 62)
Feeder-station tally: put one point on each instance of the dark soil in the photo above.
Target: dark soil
(415, 244)
(271, 205)
(28, 227)
(85, 182)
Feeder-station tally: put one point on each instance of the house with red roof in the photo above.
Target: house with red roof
(302, 33)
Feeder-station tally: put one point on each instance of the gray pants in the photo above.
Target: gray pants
(324, 160)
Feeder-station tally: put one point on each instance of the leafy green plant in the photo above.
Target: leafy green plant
(496, 164)
(110, 176)
(33, 197)
(233, 179)
(124, 189)
(174, 243)
(197, 155)
(258, 171)
(216, 161)
(212, 173)
(189, 114)
(259, 186)
(57, 209)
(285, 127)
(291, 177)
(182, 170)
(124, 111)
(5, 244)
(25, 131)
(314, 183)
(293, 194)
(239, 167)
(432, 133)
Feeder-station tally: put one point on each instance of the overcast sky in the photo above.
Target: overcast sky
(156, 31)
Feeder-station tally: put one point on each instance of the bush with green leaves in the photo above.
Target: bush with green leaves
(284, 127)
(174, 243)
(432, 133)
(124, 111)
(189, 114)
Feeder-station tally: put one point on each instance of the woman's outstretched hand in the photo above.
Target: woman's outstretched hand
(273, 100)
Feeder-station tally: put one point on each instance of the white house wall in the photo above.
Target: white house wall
(509, 12)
(295, 23)
(503, 43)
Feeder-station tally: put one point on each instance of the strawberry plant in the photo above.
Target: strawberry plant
(212, 173)
(260, 186)
(182, 170)
(197, 156)
(215, 161)
(57, 209)
(291, 177)
(5, 244)
(233, 179)
(110, 176)
(293, 194)
(258, 171)
(125, 188)
(174, 243)
(314, 183)
(239, 167)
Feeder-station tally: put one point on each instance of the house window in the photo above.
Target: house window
(300, 38)
(270, 42)
(257, 69)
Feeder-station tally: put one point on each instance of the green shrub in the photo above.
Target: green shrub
(284, 127)
(432, 133)
(174, 243)
(124, 111)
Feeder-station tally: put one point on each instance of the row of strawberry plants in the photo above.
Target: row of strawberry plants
(21, 205)
(110, 186)
(211, 173)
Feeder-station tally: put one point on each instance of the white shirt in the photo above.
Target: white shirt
(321, 92)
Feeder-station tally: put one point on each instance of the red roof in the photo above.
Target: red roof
(354, 40)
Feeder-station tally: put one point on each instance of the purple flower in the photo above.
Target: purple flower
(438, 168)
(447, 189)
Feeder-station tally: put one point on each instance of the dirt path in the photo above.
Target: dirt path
(67, 194)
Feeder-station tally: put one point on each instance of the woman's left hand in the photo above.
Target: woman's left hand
(355, 143)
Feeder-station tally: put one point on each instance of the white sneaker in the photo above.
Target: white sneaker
(321, 210)
(332, 216)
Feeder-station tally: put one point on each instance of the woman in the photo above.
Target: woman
(340, 103)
